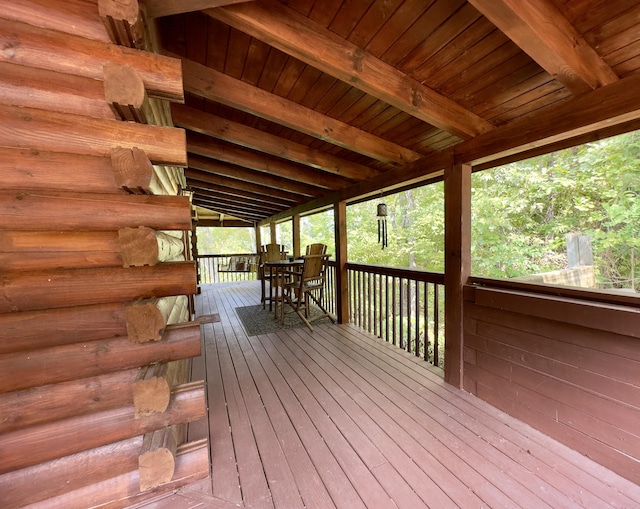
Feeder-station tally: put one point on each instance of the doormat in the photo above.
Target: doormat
(257, 320)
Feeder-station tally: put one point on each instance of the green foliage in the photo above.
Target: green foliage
(522, 211)
(226, 240)
(521, 214)
(416, 230)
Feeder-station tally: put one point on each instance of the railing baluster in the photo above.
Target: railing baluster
(436, 326)
(425, 300)
(386, 307)
(416, 347)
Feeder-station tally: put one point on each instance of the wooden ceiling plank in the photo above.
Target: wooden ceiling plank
(546, 35)
(233, 201)
(239, 134)
(206, 82)
(199, 158)
(245, 195)
(600, 109)
(160, 8)
(234, 154)
(222, 181)
(297, 36)
(237, 211)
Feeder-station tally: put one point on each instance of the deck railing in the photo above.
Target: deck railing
(215, 268)
(404, 307)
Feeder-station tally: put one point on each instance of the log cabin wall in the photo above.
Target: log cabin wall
(95, 330)
(567, 367)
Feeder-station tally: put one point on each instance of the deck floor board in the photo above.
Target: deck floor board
(338, 418)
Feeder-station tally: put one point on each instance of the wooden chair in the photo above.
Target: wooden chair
(269, 253)
(314, 249)
(302, 286)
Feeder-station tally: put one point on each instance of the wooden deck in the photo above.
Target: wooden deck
(337, 418)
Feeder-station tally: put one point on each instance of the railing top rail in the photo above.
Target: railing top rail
(418, 275)
(567, 292)
(225, 255)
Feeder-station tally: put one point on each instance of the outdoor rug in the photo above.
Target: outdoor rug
(256, 320)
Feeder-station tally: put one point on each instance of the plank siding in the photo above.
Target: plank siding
(567, 368)
(338, 418)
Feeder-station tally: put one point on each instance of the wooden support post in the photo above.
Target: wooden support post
(88, 211)
(23, 370)
(157, 459)
(144, 246)
(123, 22)
(151, 391)
(133, 172)
(69, 436)
(457, 265)
(28, 291)
(124, 92)
(342, 278)
(32, 330)
(296, 235)
(258, 239)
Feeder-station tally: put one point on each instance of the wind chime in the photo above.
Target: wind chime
(382, 225)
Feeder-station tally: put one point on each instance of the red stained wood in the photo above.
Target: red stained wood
(567, 367)
(372, 405)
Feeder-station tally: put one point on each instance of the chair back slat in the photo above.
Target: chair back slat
(316, 249)
(272, 253)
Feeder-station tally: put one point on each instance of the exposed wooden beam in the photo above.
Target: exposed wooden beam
(238, 134)
(430, 167)
(213, 85)
(229, 223)
(233, 154)
(255, 204)
(237, 211)
(211, 172)
(542, 32)
(294, 34)
(239, 193)
(159, 8)
(238, 169)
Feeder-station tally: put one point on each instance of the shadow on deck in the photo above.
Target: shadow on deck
(338, 418)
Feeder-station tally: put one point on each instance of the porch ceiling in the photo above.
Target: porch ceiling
(298, 103)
